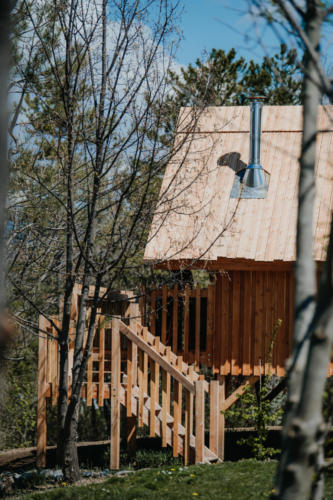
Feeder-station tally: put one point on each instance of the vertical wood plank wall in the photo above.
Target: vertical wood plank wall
(248, 306)
(237, 319)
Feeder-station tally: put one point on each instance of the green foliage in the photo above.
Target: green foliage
(253, 409)
(18, 419)
(223, 79)
(256, 412)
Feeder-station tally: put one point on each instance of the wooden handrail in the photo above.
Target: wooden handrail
(155, 356)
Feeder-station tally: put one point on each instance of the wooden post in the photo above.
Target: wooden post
(101, 362)
(188, 420)
(199, 421)
(134, 312)
(166, 384)
(41, 405)
(221, 424)
(164, 313)
(175, 320)
(115, 393)
(197, 326)
(177, 409)
(214, 417)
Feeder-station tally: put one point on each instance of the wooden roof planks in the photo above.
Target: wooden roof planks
(195, 217)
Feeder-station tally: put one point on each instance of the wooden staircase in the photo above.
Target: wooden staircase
(133, 368)
(132, 392)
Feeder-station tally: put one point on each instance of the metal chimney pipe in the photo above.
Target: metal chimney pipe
(254, 174)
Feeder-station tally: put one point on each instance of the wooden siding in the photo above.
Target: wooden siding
(197, 220)
(248, 307)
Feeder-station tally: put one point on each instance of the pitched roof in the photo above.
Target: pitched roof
(195, 217)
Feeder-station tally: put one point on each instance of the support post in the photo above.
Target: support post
(199, 421)
(214, 416)
(115, 401)
(221, 424)
(41, 406)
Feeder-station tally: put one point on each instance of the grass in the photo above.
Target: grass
(246, 479)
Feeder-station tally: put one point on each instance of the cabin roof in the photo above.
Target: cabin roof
(195, 217)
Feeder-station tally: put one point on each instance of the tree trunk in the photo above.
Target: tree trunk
(289, 484)
(68, 446)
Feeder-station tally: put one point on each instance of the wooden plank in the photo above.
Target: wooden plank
(210, 324)
(282, 332)
(235, 330)
(134, 315)
(54, 362)
(177, 409)
(258, 322)
(166, 365)
(214, 410)
(89, 380)
(141, 386)
(268, 321)
(101, 360)
(199, 421)
(153, 394)
(225, 317)
(42, 387)
(188, 420)
(153, 312)
(237, 393)
(197, 326)
(115, 396)
(175, 320)
(164, 313)
(157, 370)
(129, 378)
(166, 388)
(145, 362)
(186, 322)
(221, 421)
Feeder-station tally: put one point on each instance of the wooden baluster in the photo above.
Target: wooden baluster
(134, 312)
(188, 419)
(115, 393)
(164, 313)
(41, 405)
(199, 421)
(54, 366)
(186, 322)
(166, 383)
(129, 378)
(145, 362)
(210, 323)
(157, 368)
(141, 386)
(177, 409)
(175, 320)
(101, 361)
(197, 326)
(214, 419)
(221, 425)
(153, 376)
(153, 313)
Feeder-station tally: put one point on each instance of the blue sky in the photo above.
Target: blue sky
(224, 24)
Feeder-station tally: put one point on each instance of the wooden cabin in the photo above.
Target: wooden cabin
(203, 222)
(143, 359)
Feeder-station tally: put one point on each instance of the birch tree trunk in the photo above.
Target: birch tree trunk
(299, 441)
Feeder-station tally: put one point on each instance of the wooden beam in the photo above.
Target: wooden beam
(214, 409)
(166, 365)
(237, 393)
(41, 403)
(221, 421)
(115, 396)
(199, 421)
